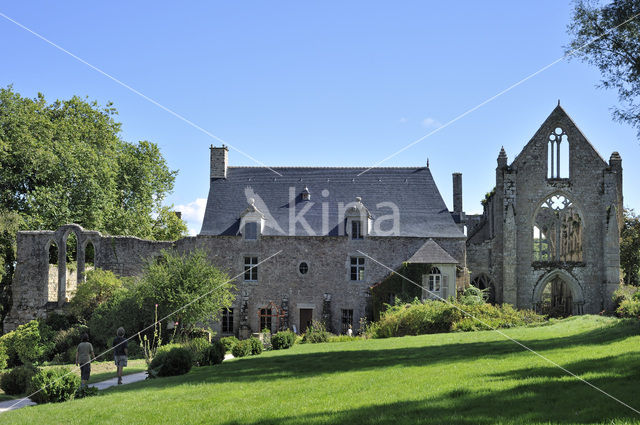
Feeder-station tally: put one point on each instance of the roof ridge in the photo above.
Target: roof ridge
(327, 168)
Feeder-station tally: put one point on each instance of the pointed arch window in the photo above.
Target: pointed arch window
(558, 155)
(557, 231)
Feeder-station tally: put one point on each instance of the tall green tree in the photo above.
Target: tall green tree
(65, 162)
(630, 248)
(606, 40)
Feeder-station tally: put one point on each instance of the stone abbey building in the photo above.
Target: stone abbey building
(319, 243)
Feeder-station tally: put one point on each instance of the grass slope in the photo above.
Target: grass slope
(461, 378)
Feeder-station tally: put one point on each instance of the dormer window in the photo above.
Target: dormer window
(357, 220)
(251, 222)
(306, 195)
(251, 230)
(356, 229)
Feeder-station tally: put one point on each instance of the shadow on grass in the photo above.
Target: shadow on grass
(546, 394)
(302, 365)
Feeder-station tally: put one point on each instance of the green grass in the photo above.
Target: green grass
(100, 371)
(458, 378)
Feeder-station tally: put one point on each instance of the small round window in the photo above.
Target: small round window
(304, 268)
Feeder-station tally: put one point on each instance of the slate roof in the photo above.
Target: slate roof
(431, 253)
(422, 211)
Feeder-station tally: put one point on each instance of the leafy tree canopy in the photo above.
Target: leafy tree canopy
(64, 162)
(614, 47)
(630, 248)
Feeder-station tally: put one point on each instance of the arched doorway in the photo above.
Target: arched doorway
(484, 282)
(558, 295)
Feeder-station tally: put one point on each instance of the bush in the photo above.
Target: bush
(343, 338)
(64, 340)
(99, 287)
(283, 340)
(242, 349)
(473, 296)
(3, 356)
(53, 385)
(57, 321)
(27, 343)
(176, 361)
(17, 380)
(83, 392)
(198, 346)
(256, 346)
(229, 342)
(214, 354)
(316, 333)
(430, 317)
(627, 300)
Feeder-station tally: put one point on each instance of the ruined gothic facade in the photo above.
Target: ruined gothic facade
(321, 243)
(548, 238)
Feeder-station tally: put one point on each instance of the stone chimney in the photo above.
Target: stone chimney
(457, 192)
(219, 160)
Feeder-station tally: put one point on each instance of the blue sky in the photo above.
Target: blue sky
(326, 83)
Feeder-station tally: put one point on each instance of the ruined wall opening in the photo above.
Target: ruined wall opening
(71, 264)
(557, 299)
(558, 155)
(89, 258)
(557, 231)
(485, 283)
(52, 272)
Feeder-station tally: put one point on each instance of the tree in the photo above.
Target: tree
(174, 281)
(614, 47)
(630, 248)
(64, 162)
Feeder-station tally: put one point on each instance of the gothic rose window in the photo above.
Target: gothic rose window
(557, 231)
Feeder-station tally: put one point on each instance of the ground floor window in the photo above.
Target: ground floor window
(435, 279)
(347, 320)
(265, 319)
(227, 321)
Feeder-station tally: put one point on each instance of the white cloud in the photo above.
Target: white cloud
(430, 123)
(403, 120)
(193, 214)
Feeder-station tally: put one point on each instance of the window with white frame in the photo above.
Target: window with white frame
(357, 268)
(251, 230)
(435, 280)
(250, 269)
(356, 229)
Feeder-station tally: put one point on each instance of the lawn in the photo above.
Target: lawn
(460, 378)
(100, 371)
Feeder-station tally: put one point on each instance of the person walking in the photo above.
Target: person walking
(84, 355)
(120, 352)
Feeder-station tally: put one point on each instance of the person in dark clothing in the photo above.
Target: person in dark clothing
(84, 355)
(120, 352)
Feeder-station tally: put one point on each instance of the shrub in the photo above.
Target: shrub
(83, 392)
(194, 333)
(198, 346)
(435, 317)
(242, 349)
(627, 300)
(99, 287)
(57, 321)
(25, 344)
(53, 385)
(17, 380)
(473, 296)
(343, 338)
(256, 346)
(316, 333)
(176, 361)
(283, 340)
(3, 356)
(214, 354)
(229, 342)
(64, 340)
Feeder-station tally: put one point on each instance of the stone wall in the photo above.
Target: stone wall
(279, 279)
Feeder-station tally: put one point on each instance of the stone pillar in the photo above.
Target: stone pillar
(326, 312)
(509, 241)
(284, 324)
(244, 330)
(219, 160)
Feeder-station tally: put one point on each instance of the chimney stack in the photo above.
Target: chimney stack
(457, 192)
(219, 160)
